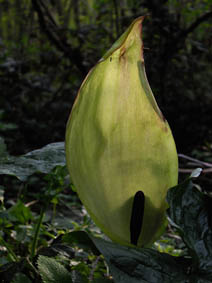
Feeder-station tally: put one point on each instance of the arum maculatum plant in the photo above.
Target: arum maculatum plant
(120, 150)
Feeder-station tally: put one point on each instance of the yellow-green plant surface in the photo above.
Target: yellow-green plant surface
(118, 142)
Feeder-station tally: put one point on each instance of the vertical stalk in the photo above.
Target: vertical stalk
(37, 231)
(116, 17)
(11, 254)
(54, 212)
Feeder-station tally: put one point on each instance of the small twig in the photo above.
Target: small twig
(183, 170)
(31, 203)
(94, 265)
(49, 15)
(32, 266)
(195, 24)
(206, 164)
(176, 237)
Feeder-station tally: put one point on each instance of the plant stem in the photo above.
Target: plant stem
(11, 254)
(54, 212)
(117, 17)
(37, 231)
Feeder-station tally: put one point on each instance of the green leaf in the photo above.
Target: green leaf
(140, 265)
(82, 239)
(190, 210)
(52, 271)
(19, 212)
(58, 249)
(21, 278)
(42, 160)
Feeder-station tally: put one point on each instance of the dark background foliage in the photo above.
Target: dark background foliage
(47, 47)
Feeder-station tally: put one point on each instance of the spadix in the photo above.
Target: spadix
(119, 148)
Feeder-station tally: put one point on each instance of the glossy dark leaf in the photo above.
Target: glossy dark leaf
(82, 240)
(41, 160)
(190, 210)
(139, 265)
(58, 249)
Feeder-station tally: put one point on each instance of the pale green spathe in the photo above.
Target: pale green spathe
(117, 142)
